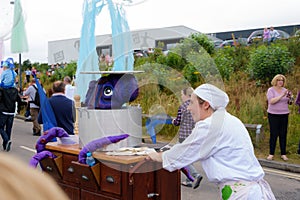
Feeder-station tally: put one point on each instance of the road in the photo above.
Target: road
(286, 186)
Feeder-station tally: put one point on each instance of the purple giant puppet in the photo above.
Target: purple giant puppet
(112, 91)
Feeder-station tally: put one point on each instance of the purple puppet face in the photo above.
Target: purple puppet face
(104, 93)
(112, 91)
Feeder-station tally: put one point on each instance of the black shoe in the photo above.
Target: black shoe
(187, 184)
(8, 146)
(37, 134)
(198, 181)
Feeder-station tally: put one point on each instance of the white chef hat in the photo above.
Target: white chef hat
(213, 95)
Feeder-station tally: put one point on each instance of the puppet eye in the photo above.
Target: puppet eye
(108, 91)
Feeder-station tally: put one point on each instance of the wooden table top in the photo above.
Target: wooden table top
(75, 149)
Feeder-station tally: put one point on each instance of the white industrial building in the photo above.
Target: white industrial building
(61, 51)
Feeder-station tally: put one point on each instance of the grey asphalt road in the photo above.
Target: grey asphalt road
(23, 142)
(286, 186)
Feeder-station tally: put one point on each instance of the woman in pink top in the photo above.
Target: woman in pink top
(266, 35)
(278, 113)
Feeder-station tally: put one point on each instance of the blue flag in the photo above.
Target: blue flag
(49, 120)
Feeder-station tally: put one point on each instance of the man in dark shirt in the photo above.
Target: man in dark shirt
(63, 108)
(7, 113)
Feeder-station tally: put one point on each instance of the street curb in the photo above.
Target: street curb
(280, 165)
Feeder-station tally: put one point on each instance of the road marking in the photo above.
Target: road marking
(29, 149)
(283, 173)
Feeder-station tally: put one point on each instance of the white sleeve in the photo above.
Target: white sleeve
(187, 152)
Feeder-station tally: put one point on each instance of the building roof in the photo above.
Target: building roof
(67, 50)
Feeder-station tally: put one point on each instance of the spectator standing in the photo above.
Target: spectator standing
(108, 60)
(63, 108)
(28, 74)
(8, 101)
(185, 120)
(69, 88)
(34, 109)
(266, 35)
(278, 114)
(33, 71)
(27, 112)
(274, 35)
(222, 144)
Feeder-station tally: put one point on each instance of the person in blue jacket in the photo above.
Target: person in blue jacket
(63, 108)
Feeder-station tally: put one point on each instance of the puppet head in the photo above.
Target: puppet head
(112, 91)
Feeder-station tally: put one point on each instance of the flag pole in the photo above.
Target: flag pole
(20, 72)
(19, 42)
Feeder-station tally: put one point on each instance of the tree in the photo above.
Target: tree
(267, 61)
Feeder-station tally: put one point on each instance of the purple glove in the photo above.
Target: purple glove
(97, 144)
(48, 136)
(187, 173)
(40, 156)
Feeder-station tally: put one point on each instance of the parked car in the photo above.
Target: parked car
(217, 43)
(140, 53)
(232, 43)
(143, 52)
(257, 36)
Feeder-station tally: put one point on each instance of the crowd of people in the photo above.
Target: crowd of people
(61, 101)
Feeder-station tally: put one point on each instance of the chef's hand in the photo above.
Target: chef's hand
(155, 156)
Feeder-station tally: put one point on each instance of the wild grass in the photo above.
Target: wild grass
(247, 102)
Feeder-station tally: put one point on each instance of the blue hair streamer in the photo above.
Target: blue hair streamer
(121, 42)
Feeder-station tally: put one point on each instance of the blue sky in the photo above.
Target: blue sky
(49, 20)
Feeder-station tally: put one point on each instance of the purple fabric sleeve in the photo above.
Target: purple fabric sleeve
(40, 156)
(52, 133)
(97, 144)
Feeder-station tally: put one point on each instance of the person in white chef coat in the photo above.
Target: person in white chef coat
(222, 144)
